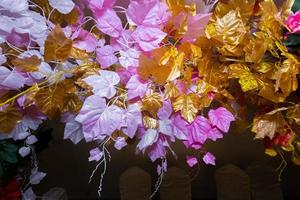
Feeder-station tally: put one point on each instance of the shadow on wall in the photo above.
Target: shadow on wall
(67, 166)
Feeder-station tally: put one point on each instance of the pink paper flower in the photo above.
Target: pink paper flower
(191, 161)
(293, 22)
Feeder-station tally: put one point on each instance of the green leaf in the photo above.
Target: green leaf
(1, 170)
(10, 148)
(296, 6)
(10, 157)
(292, 40)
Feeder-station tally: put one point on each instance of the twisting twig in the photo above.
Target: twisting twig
(160, 178)
(282, 165)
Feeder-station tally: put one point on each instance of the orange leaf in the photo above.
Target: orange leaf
(57, 46)
(29, 64)
(9, 117)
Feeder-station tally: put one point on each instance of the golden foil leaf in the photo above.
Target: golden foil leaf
(263, 67)
(270, 152)
(57, 98)
(152, 103)
(294, 114)
(245, 7)
(268, 21)
(295, 158)
(83, 71)
(9, 117)
(246, 79)
(286, 77)
(171, 90)
(203, 87)
(267, 125)
(161, 66)
(188, 105)
(230, 30)
(150, 122)
(149, 69)
(56, 17)
(72, 103)
(268, 92)
(57, 46)
(256, 48)
(286, 9)
(192, 53)
(29, 64)
(79, 54)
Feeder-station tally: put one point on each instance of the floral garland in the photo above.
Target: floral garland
(169, 70)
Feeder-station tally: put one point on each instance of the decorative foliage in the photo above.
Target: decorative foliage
(158, 71)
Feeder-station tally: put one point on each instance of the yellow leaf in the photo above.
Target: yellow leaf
(263, 67)
(244, 7)
(246, 79)
(295, 158)
(56, 17)
(294, 113)
(161, 66)
(72, 103)
(57, 98)
(57, 46)
(230, 30)
(203, 87)
(268, 21)
(9, 117)
(29, 64)
(192, 53)
(267, 125)
(286, 77)
(150, 122)
(79, 54)
(255, 48)
(188, 105)
(152, 103)
(268, 92)
(171, 90)
(271, 152)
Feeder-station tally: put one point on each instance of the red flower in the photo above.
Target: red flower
(11, 191)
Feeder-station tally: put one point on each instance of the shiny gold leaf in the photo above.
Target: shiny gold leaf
(150, 122)
(246, 79)
(162, 66)
(188, 105)
(54, 15)
(268, 21)
(9, 117)
(267, 125)
(230, 31)
(245, 7)
(295, 158)
(286, 77)
(294, 114)
(57, 98)
(255, 48)
(29, 64)
(263, 67)
(57, 46)
(271, 152)
(268, 92)
(171, 90)
(72, 103)
(79, 54)
(151, 103)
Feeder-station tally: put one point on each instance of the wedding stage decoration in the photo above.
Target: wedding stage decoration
(151, 73)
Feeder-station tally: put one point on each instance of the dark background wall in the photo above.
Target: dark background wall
(67, 166)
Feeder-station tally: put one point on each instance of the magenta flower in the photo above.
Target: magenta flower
(293, 22)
